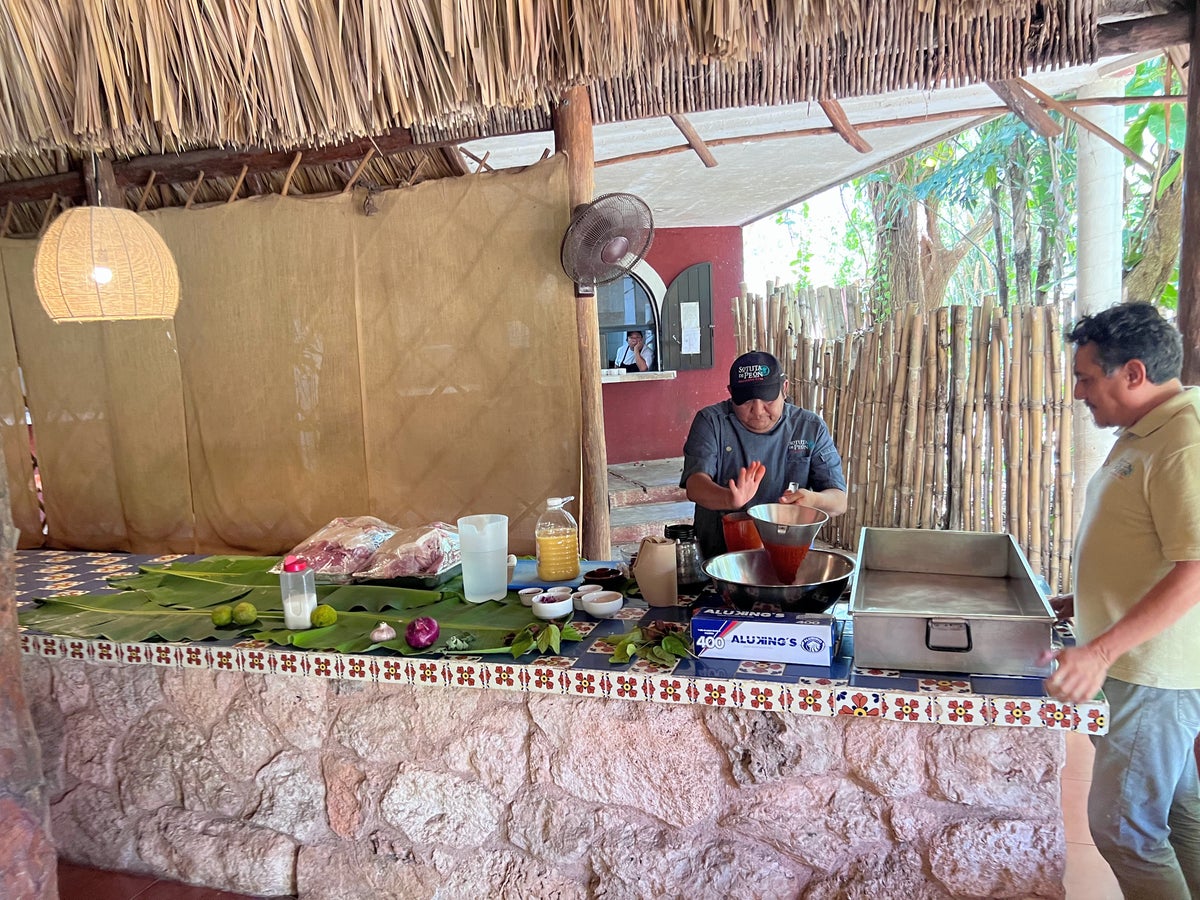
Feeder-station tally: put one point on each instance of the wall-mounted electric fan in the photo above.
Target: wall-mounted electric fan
(606, 239)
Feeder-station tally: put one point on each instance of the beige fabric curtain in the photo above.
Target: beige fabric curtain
(416, 364)
(16, 274)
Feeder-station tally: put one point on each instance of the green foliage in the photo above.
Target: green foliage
(175, 603)
(662, 643)
(1000, 163)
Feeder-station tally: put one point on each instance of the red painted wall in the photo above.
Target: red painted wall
(650, 420)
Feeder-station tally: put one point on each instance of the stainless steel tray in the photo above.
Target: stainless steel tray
(947, 601)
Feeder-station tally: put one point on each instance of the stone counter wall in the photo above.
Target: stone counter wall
(335, 789)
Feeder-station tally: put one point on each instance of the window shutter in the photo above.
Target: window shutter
(688, 302)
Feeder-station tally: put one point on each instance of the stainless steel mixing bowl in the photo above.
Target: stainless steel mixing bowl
(787, 524)
(746, 579)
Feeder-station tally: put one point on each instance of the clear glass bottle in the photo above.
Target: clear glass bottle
(298, 588)
(557, 536)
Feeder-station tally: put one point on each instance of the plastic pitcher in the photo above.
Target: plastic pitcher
(483, 541)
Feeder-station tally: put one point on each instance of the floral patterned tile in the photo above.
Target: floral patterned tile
(645, 667)
(602, 645)
(947, 685)
(1091, 718)
(360, 668)
(135, 654)
(1057, 715)
(76, 648)
(747, 667)
(286, 663)
(855, 702)
(253, 661)
(667, 689)
(814, 699)
(909, 706)
(1008, 712)
(711, 692)
(547, 680)
(964, 710)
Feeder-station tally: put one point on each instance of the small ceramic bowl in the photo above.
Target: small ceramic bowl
(552, 606)
(582, 591)
(609, 579)
(527, 595)
(562, 590)
(603, 604)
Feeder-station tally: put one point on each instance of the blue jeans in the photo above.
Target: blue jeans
(1144, 804)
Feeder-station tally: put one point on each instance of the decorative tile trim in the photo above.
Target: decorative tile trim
(938, 701)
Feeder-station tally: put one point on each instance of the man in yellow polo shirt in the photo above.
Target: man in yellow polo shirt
(1137, 601)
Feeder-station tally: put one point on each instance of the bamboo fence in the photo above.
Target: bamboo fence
(959, 418)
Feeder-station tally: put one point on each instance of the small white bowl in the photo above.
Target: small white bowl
(603, 604)
(527, 595)
(588, 588)
(551, 606)
(561, 591)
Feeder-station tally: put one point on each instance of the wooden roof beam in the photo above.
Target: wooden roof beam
(1085, 123)
(841, 123)
(1025, 108)
(1146, 33)
(688, 130)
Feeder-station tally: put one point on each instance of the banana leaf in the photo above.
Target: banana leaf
(130, 616)
(174, 602)
(480, 626)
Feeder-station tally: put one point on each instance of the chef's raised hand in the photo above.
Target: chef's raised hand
(1080, 674)
(745, 486)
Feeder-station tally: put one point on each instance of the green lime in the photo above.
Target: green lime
(323, 615)
(245, 613)
(222, 615)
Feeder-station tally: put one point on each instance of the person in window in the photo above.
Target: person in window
(636, 355)
(750, 448)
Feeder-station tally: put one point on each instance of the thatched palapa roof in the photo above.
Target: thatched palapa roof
(144, 77)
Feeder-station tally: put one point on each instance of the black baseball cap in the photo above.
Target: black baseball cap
(755, 376)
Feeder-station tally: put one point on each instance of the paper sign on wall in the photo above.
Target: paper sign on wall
(689, 318)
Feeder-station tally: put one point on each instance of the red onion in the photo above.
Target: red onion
(421, 632)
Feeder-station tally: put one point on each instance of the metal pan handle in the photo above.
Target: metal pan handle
(948, 635)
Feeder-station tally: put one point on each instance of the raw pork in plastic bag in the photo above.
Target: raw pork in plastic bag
(422, 550)
(343, 546)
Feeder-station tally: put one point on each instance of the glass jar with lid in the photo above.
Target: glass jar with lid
(689, 565)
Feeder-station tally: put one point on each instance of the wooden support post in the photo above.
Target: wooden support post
(101, 184)
(287, 179)
(1188, 307)
(146, 191)
(358, 171)
(28, 867)
(233, 195)
(573, 136)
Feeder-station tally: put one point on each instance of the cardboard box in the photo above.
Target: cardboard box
(806, 639)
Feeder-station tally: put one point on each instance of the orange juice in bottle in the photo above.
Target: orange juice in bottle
(557, 538)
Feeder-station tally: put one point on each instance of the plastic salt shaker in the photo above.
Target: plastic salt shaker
(299, 590)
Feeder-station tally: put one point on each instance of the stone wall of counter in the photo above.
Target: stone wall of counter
(336, 789)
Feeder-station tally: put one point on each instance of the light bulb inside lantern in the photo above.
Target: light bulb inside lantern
(102, 274)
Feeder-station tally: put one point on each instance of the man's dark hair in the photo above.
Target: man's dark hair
(1132, 331)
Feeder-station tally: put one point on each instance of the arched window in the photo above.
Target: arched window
(629, 304)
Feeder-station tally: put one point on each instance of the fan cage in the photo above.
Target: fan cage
(594, 226)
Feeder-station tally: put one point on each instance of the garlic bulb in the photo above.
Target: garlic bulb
(383, 632)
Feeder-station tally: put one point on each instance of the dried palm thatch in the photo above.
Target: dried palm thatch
(153, 76)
